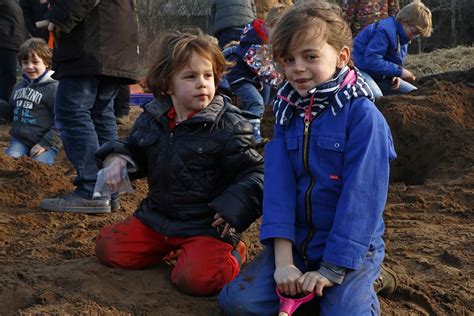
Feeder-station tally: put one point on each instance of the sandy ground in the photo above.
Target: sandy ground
(48, 266)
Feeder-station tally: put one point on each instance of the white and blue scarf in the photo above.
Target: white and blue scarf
(331, 93)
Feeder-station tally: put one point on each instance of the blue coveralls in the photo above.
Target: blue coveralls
(325, 191)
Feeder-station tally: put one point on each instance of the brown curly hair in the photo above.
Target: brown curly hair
(36, 46)
(174, 50)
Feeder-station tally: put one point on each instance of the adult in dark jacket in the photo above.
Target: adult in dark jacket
(34, 11)
(12, 34)
(96, 51)
(229, 17)
(205, 177)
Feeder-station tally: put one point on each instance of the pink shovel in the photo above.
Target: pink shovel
(289, 305)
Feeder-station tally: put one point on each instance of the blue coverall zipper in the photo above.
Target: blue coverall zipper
(308, 209)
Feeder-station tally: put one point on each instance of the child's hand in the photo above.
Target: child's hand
(395, 83)
(314, 281)
(36, 150)
(408, 75)
(114, 172)
(54, 29)
(286, 278)
(113, 178)
(218, 221)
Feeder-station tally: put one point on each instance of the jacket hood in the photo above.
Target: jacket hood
(45, 78)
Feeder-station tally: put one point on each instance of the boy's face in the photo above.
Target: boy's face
(411, 32)
(192, 88)
(312, 63)
(33, 66)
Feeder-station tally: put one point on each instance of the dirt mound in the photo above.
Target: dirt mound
(24, 182)
(47, 260)
(433, 130)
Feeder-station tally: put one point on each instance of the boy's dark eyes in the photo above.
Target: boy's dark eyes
(34, 62)
(210, 75)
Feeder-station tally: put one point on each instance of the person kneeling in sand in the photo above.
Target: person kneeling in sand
(33, 132)
(205, 176)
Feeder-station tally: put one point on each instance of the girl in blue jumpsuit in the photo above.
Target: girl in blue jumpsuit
(326, 177)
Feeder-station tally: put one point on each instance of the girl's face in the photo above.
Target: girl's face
(192, 88)
(33, 66)
(311, 63)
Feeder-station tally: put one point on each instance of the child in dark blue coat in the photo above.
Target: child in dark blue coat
(381, 48)
(326, 177)
(204, 174)
(252, 70)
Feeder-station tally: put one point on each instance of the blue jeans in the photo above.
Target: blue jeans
(85, 120)
(381, 87)
(386, 87)
(18, 149)
(251, 99)
(228, 35)
(253, 291)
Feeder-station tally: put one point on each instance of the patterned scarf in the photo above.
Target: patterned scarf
(334, 93)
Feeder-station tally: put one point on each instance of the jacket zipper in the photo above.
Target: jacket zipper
(170, 146)
(308, 208)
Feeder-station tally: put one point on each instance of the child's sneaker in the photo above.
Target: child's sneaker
(386, 283)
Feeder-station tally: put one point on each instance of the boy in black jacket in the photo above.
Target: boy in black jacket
(205, 177)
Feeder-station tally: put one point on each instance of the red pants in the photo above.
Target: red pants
(204, 266)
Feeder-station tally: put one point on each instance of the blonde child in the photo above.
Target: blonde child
(33, 131)
(381, 48)
(205, 177)
(326, 177)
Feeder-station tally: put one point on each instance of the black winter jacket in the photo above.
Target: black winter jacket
(12, 25)
(34, 11)
(98, 37)
(209, 159)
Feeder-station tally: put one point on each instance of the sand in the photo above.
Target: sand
(48, 266)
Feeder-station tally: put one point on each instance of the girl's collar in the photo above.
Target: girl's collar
(335, 93)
